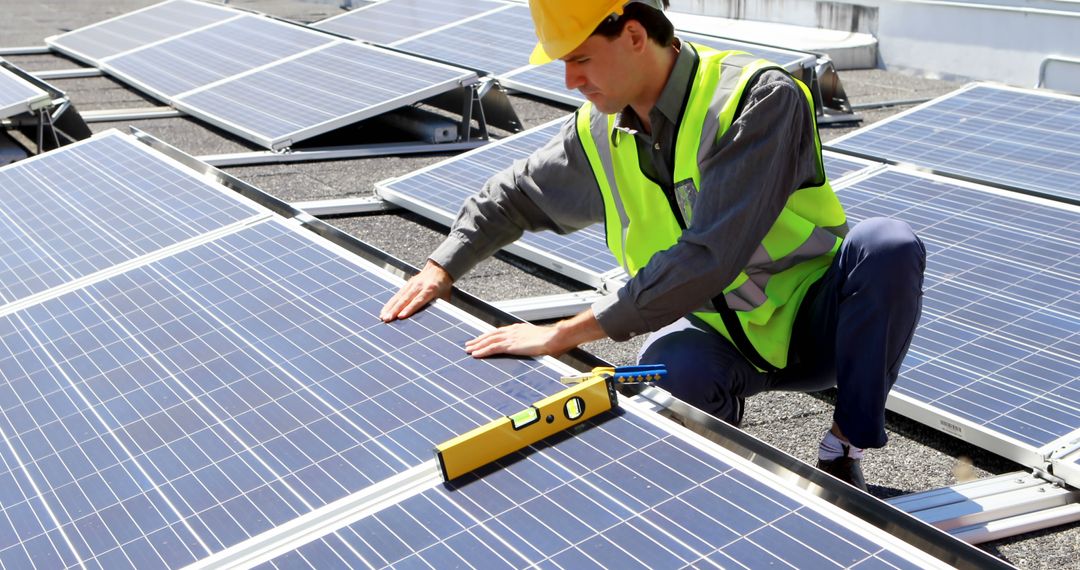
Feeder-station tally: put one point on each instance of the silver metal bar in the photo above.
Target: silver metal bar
(549, 307)
(1013, 526)
(892, 103)
(345, 206)
(25, 50)
(74, 73)
(986, 509)
(135, 114)
(335, 153)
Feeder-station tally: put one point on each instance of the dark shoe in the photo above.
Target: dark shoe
(845, 469)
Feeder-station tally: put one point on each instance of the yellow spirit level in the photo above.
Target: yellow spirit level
(591, 394)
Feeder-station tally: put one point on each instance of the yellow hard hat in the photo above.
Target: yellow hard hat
(563, 25)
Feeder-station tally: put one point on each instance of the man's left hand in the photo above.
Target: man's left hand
(524, 339)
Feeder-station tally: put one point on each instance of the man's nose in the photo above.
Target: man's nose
(574, 78)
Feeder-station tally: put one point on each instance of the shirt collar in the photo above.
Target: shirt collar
(669, 105)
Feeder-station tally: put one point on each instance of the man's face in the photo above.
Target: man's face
(598, 69)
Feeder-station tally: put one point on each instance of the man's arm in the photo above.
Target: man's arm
(746, 179)
(546, 191)
(760, 161)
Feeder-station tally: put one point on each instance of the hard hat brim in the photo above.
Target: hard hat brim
(539, 56)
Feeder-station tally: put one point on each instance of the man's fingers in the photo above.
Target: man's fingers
(419, 299)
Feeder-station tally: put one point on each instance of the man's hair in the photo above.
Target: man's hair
(656, 24)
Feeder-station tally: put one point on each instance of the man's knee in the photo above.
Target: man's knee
(700, 372)
(889, 248)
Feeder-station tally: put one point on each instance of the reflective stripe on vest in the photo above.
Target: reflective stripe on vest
(759, 306)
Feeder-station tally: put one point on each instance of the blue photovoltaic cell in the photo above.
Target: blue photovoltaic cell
(138, 29)
(1000, 328)
(620, 494)
(494, 43)
(837, 167)
(87, 207)
(1022, 139)
(16, 94)
(446, 186)
(393, 20)
(186, 405)
(214, 53)
(552, 77)
(309, 93)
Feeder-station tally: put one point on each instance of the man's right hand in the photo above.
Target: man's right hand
(432, 282)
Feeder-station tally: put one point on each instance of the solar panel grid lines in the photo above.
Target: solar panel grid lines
(997, 343)
(608, 496)
(318, 91)
(58, 464)
(27, 520)
(17, 95)
(1013, 138)
(207, 55)
(172, 316)
(134, 29)
(95, 204)
(394, 20)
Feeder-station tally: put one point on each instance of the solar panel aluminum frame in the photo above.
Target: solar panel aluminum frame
(735, 441)
(831, 145)
(1065, 459)
(51, 123)
(39, 100)
(941, 420)
(466, 81)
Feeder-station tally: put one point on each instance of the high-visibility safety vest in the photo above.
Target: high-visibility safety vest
(757, 310)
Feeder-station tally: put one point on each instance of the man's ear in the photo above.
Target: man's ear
(637, 35)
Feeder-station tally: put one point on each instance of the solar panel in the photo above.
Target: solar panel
(995, 353)
(496, 42)
(239, 387)
(94, 204)
(623, 493)
(439, 191)
(549, 80)
(137, 29)
(196, 401)
(17, 95)
(838, 165)
(223, 50)
(393, 20)
(1017, 138)
(319, 91)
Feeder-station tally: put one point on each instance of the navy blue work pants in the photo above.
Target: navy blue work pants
(852, 331)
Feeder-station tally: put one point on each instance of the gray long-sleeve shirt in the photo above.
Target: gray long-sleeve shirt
(746, 178)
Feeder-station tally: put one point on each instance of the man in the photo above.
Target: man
(705, 167)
